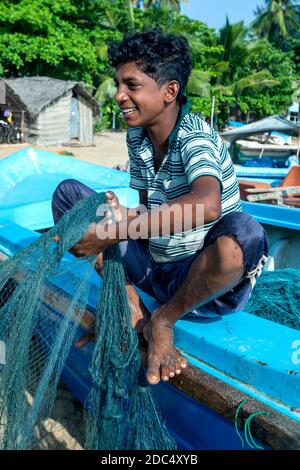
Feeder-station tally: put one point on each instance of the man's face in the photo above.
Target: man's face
(140, 98)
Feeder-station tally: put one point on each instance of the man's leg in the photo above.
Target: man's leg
(66, 196)
(218, 268)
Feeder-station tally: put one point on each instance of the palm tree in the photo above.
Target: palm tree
(174, 4)
(230, 76)
(199, 83)
(277, 19)
(130, 4)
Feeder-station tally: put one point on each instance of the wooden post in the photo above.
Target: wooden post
(298, 149)
(264, 146)
(212, 111)
(22, 126)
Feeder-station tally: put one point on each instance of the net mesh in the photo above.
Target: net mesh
(276, 297)
(44, 296)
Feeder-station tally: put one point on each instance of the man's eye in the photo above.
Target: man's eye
(132, 85)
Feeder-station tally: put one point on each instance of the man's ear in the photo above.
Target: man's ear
(171, 91)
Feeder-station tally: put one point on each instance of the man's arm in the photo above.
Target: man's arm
(180, 214)
(204, 197)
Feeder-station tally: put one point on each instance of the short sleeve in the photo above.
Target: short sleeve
(136, 178)
(201, 156)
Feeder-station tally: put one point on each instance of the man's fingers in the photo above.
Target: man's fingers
(112, 199)
(91, 229)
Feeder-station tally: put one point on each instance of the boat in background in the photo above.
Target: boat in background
(239, 359)
(281, 192)
(274, 127)
(245, 151)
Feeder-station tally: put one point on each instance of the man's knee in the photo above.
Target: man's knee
(229, 254)
(64, 187)
(66, 195)
(246, 233)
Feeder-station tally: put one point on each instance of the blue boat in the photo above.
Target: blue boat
(239, 359)
(30, 176)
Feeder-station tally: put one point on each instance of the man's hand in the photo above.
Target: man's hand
(91, 244)
(164, 360)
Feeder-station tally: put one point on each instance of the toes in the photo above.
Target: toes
(154, 379)
(166, 373)
(174, 365)
(182, 362)
(153, 372)
(166, 369)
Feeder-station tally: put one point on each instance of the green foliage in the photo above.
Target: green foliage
(68, 39)
(201, 106)
(277, 21)
(40, 38)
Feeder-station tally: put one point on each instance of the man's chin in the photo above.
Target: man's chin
(134, 124)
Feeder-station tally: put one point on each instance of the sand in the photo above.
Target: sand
(109, 150)
(64, 429)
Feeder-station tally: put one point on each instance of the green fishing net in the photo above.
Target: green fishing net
(276, 297)
(44, 294)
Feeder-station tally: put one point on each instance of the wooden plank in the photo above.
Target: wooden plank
(274, 429)
(294, 189)
(276, 197)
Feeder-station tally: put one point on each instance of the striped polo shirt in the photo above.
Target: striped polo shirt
(194, 149)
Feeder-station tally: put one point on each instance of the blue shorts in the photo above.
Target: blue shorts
(162, 280)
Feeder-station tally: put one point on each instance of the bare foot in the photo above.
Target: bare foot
(164, 360)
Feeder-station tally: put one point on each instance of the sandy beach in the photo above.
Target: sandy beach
(109, 149)
(64, 429)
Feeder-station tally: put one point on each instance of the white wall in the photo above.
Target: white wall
(86, 134)
(52, 125)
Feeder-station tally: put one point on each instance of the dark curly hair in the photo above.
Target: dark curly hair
(162, 56)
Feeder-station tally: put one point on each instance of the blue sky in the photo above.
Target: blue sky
(213, 12)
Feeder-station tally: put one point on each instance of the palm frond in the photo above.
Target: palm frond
(101, 48)
(199, 83)
(106, 90)
(255, 81)
(221, 90)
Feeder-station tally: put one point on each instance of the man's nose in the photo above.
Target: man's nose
(120, 96)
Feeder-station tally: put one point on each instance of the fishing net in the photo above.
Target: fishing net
(276, 297)
(44, 294)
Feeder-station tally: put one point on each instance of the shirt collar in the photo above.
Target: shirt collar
(184, 110)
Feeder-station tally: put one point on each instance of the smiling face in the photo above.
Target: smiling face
(142, 101)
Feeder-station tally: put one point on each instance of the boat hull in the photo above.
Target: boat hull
(241, 357)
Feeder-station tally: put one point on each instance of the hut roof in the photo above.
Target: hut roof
(36, 93)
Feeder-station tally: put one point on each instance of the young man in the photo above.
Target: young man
(177, 162)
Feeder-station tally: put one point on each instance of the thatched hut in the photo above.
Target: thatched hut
(51, 111)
